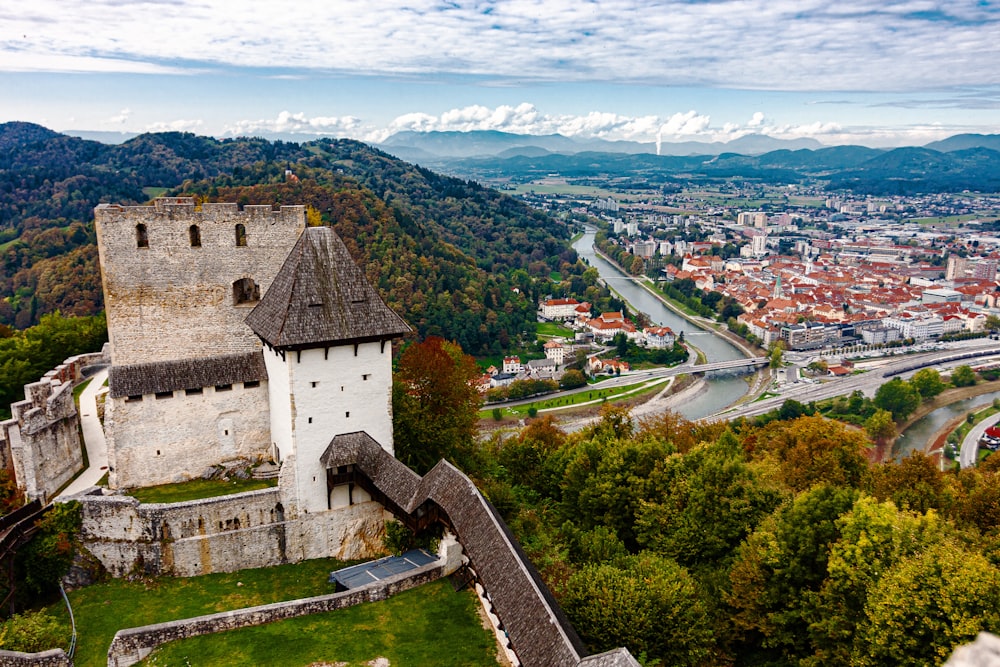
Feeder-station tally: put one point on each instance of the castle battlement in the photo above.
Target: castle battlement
(184, 209)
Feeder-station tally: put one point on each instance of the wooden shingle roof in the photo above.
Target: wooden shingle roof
(321, 297)
(536, 626)
(151, 378)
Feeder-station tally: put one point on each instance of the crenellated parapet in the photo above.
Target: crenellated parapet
(40, 443)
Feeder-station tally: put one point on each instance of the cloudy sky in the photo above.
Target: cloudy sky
(875, 72)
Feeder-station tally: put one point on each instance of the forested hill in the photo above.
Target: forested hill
(455, 258)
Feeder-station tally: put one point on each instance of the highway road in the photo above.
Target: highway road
(868, 382)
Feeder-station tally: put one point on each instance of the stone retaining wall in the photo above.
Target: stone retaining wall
(52, 658)
(222, 534)
(132, 645)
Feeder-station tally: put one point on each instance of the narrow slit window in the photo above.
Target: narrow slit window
(141, 236)
(241, 235)
(194, 233)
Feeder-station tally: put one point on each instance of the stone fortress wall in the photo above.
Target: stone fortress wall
(223, 534)
(41, 442)
(172, 268)
(197, 429)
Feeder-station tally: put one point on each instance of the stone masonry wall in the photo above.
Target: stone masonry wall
(132, 645)
(54, 658)
(160, 440)
(153, 292)
(222, 534)
(41, 442)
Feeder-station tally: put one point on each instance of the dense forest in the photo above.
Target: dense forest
(750, 544)
(456, 259)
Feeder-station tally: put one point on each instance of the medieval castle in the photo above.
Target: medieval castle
(242, 334)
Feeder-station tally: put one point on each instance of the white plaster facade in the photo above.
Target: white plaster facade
(321, 392)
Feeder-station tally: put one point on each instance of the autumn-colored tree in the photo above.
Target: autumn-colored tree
(811, 450)
(914, 483)
(434, 403)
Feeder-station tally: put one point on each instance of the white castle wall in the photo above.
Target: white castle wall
(336, 390)
(179, 436)
(152, 293)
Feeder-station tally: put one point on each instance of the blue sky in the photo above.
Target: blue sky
(891, 72)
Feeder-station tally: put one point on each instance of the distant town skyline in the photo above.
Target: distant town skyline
(889, 73)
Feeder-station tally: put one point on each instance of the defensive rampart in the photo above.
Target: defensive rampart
(40, 443)
(222, 534)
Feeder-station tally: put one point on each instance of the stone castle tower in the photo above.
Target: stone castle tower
(192, 385)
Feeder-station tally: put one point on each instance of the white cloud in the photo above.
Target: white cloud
(175, 126)
(299, 123)
(120, 118)
(749, 44)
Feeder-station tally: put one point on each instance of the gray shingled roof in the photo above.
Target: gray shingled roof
(138, 379)
(536, 626)
(320, 296)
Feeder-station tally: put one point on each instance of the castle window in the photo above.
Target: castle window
(314, 384)
(141, 237)
(164, 394)
(241, 235)
(195, 234)
(245, 291)
(223, 387)
(365, 376)
(133, 399)
(347, 415)
(251, 384)
(193, 392)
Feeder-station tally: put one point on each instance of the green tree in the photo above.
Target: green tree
(572, 379)
(32, 632)
(780, 569)
(963, 376)
(647, 603)
(880, 426)
(927, 382)
(874, 536)
(703, 504)
(775, 356)
(898, 397)
(927, 605)
(434, 403)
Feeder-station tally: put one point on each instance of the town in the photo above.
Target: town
(818, 272)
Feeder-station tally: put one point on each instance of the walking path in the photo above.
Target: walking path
(93, 438)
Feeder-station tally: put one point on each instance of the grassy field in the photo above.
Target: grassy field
(633, 390)
(551, 329)
(196, 489)
(430, 625)
(953, 220)
(103, 609)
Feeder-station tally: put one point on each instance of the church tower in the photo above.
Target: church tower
(327, 349)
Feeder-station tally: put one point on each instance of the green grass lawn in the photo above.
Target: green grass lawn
(196, 489)
(430, 625)
(575, 399)
(103, 609)
(551, 330)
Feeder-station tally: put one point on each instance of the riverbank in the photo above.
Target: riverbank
(941, 400)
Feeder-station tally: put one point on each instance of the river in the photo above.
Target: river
(921, 431)
(723, 391)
